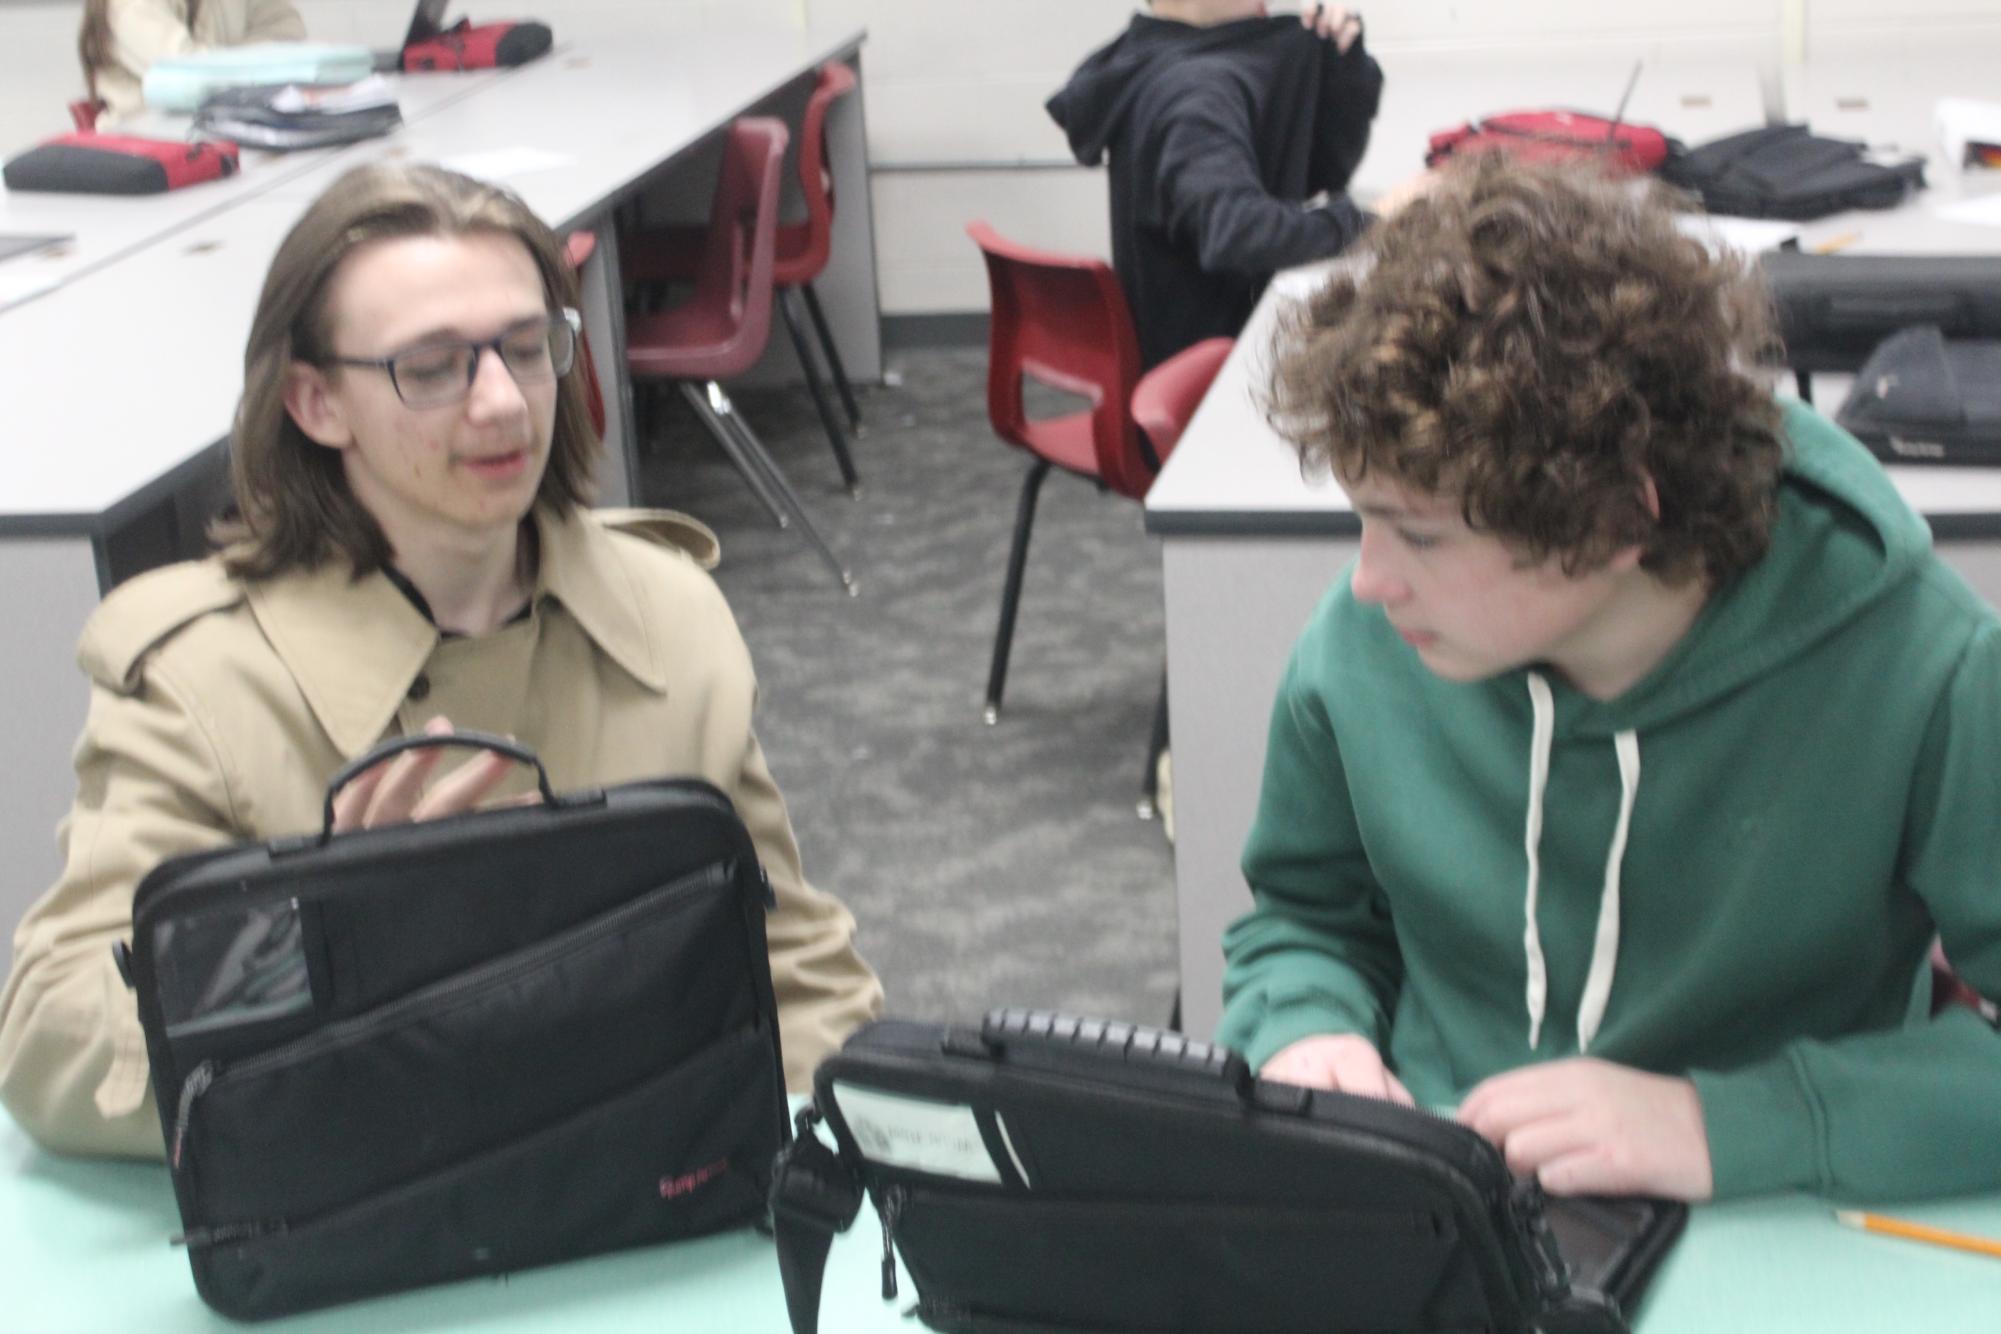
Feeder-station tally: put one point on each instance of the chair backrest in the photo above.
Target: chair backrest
(1062, 320)
(734, 284)
(1168, 394)
(806, 246)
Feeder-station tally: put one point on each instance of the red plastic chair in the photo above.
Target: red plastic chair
(1063, 321)
(722, 329)
(673, 254)
(1168, 395)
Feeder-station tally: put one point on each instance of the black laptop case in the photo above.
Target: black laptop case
(468, 1046)
(1059, 1174)
(1925, 398)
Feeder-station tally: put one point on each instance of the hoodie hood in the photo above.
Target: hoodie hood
(1093, 106)
(1843, 541)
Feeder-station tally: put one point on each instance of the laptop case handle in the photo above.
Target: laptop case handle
(1045, 1033)
(352, 770)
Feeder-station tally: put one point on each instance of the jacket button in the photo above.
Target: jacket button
(420, 688)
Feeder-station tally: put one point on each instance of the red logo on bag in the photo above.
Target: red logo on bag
(673, 1188)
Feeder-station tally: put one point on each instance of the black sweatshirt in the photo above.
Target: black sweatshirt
(1218, 136)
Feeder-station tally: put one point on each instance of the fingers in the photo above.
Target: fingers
(465, 787)
(394, 791)
(1340, 1062)
(1334, 23)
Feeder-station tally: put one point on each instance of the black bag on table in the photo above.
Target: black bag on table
(473, 1045)
(1786, 171)
(1923, 398)
(1835, 309)
(1059, 1174)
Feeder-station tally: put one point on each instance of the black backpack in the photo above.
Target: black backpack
(1785, 171)
(1924, 398)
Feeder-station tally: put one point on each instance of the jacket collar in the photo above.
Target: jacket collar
(356, 645)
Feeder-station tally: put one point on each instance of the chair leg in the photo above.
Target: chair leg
(760, 457)
(1149, 788)
(807, 363)
(720, 432)
(1017, 561)
(833, 358)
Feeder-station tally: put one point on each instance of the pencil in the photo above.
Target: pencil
(1842, 242)
(1937, 1236)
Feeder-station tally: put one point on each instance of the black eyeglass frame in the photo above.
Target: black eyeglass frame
(568, 317)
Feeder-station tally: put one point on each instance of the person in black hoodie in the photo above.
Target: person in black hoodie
(1232, 135)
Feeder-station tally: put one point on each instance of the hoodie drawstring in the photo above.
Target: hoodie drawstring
(1605, 944)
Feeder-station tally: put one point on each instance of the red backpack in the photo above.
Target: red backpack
(1625, 149)
(86, 162)
(486, 46)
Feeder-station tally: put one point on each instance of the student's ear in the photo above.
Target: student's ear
(1628, 558)
(314, 406)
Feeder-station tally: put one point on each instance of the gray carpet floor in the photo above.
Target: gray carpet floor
(986, 865)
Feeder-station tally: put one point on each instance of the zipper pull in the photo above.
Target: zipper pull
(892, 1208)
(192, 1087)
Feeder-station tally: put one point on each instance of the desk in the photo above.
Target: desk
(86, 1250)
(106, 228)
(1424, 92)
(1889, 104)
(119, 387)
(1248, 548)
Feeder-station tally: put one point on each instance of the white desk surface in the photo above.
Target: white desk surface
(105, 228)
(1424, 92)
(86, 1250)
(1888, 103)
(1231, 474)
(630, 94)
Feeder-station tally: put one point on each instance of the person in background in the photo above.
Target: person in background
(410, 461)
(120, 39)
(1232, 136)
(1616, 792)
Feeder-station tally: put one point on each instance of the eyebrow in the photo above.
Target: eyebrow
(1397, 514)
(454, 334)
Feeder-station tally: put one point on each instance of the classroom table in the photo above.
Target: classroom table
(86, 1249)
(1248, 547)
(1428, 91)
(119, 386)
(98, 230)
(1889, 105)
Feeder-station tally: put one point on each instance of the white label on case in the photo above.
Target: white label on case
(937, 1137)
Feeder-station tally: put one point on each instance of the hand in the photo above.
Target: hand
(1343, 1062)
(1394, 199)
(393, 791)
(1333, 23)
(1589, 1127)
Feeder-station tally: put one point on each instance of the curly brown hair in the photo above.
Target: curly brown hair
(1539, 342)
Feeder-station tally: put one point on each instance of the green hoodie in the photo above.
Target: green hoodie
(1812, 788)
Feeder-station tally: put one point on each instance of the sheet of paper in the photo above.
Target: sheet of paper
(939, 1137)
(1750, 235)
(500, 164)
(1984, 211)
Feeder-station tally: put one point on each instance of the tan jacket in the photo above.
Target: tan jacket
(218, 711)
(143, 31)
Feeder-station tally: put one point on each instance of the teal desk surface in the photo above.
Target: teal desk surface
(83, 1247)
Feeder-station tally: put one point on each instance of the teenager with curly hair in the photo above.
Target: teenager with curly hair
(1617, 791)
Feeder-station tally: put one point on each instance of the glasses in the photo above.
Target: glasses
(442, 373)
